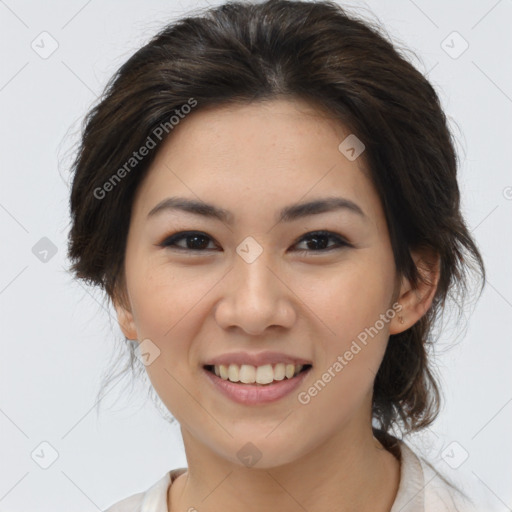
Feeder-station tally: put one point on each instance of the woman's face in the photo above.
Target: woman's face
(252, 282)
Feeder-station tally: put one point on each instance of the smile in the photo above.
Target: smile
(250, 385)
(249, 374)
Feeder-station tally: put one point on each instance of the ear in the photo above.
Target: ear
(125, 318)
(415, 302)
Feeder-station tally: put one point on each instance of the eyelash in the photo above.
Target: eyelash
(170, 242)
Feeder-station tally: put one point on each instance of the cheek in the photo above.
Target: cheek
(166, 307)
(164, 295)
(353, 296)
(170, 307)
(351, 349)
(352, 304)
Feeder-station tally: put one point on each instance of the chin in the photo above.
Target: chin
(263, 453)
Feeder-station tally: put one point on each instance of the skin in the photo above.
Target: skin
(254, 160)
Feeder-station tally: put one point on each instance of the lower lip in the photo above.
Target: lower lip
(251, 394)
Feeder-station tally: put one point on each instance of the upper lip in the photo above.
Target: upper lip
(258, 359)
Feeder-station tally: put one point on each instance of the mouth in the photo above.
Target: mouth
(265, 375)
(272, 386)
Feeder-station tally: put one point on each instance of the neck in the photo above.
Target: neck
(347, 473)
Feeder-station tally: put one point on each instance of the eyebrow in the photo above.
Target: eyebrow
(287, 214)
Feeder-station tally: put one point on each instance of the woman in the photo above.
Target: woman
(267, 194)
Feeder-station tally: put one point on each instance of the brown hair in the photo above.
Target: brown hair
(243, 52)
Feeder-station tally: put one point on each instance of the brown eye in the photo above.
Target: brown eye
(194, 241)
(318, 241)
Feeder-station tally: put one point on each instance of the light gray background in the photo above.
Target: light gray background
(57, 338)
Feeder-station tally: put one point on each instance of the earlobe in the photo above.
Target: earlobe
(415, 302)
(126, 321)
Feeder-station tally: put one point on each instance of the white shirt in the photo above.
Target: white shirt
(421, 489)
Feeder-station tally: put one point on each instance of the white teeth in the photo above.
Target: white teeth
(264, 374)
(279, 371)
(223, 370)
(249, 374)
(233, 373)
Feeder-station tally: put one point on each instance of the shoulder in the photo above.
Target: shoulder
(131, 504)
(442, 494)
(427, 487)
(154, 499)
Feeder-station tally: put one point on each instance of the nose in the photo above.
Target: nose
(255, 297)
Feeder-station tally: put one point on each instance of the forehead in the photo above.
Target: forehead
(271, 153)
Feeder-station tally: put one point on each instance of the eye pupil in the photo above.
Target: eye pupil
(195, 245)
(320, 245)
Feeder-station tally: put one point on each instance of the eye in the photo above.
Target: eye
(197, 241)
(320, 239)
(194, 241)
